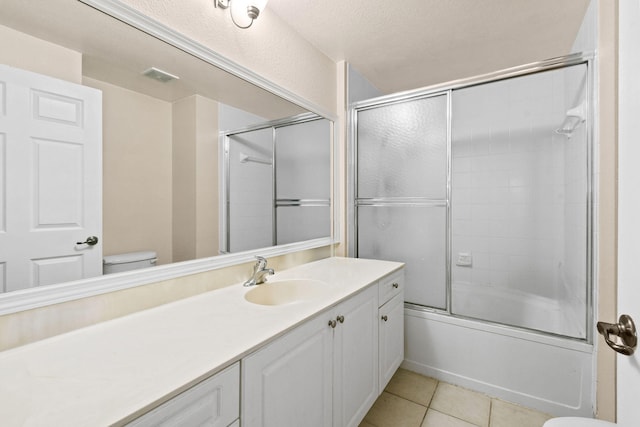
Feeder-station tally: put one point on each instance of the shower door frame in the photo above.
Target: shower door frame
(447, 89)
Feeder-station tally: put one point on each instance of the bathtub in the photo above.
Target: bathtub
(551, 374)
(517, 308)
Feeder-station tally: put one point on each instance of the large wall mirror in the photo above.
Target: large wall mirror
(165, 118)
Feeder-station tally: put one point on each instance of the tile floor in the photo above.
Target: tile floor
(413, 400)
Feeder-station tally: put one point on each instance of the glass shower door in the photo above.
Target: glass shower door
(303, 176)
(519, 201)
(401, 192)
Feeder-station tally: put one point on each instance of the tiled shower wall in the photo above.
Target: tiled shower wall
(519, 188)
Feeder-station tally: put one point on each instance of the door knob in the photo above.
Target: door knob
(91, 240)
(625, 329)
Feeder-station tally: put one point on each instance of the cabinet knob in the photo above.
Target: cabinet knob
(385, 318)
(340, 319)
(332, 323)
(395, 285)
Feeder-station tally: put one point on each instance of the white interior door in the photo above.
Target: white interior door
(50, 180)
(628, 367)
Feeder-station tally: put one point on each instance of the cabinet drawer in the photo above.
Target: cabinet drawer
(215, 402)
(390, 286)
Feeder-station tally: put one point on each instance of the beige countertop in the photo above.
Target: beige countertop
(114, 371)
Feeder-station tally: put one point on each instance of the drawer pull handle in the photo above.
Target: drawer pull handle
(385, 318)
(332, 323)
(340, 319)
(395, 285)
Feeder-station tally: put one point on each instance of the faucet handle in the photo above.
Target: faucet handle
(262, 262)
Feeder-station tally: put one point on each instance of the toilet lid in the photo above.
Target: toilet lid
(576, 422)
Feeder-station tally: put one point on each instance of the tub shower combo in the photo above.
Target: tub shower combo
(484, 188)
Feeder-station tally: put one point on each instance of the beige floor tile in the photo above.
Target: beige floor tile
(461, 403)
(412, 386)
(504, 414)
(393, 411)
(438, 419)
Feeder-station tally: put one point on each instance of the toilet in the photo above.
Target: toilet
(576, 422)
(128, 261)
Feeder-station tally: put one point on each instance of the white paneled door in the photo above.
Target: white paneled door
(628, 367)
(50, 180)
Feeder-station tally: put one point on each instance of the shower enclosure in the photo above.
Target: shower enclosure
(276, 183)
(484, 190)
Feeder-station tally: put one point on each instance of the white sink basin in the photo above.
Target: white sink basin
(285, 291)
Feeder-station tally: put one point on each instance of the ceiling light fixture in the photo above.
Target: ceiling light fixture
(243, 12)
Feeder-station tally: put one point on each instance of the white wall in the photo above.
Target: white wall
(586, 40)
(359, 87)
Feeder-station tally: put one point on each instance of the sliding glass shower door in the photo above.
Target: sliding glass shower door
(485, 193)
(520, 187)
(401, 196)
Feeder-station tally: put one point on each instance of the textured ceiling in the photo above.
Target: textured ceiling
(401, 45)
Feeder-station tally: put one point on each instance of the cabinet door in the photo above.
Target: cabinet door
(391, 338)
(355, 358)
(215, 402)
(288, 383)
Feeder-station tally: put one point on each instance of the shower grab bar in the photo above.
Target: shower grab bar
(303, 202)
(244, 158)
(410, 201)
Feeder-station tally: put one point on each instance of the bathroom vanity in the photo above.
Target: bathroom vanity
(318, 357)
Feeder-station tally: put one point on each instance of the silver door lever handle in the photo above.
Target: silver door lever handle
(91, 240)
(625, 329)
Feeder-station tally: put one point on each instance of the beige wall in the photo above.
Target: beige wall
(184, 179)
(607, 204)
(269, 48)
(195, 178)
(340, 145)
(137, 172)
(29, 53)
(206, 177)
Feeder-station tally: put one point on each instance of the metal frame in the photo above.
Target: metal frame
(353, 202)
(225, 139)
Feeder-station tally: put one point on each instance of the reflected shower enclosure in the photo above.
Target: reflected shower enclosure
(276, 183)
(485, 192)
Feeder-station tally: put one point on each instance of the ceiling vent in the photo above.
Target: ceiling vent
(159, 75)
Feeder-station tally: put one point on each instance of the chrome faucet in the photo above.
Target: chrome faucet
(260, 272)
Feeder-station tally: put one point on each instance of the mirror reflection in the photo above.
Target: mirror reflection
(110, 133)
(276, 187)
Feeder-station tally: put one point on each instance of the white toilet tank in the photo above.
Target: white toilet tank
(128, 261)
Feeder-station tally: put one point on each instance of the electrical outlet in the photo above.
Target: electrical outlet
(464, 259)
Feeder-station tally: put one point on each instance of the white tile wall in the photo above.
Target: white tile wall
(519, 189)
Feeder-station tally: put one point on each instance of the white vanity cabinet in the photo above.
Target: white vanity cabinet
(355, 358)
(323, 373)
(215, 402)
(391, 326)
